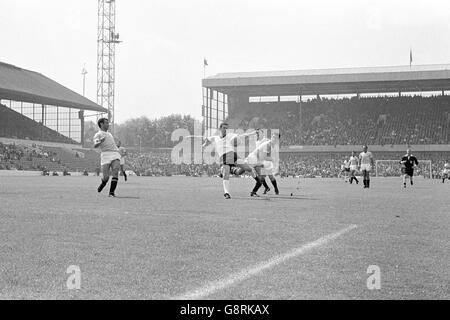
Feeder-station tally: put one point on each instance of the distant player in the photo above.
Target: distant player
(446, 172)
(264, 159)
(408, 162)
(110, 156)
(366, 164)
(353, 162)
(123, 154)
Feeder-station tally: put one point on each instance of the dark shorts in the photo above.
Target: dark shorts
(229, 158)
(347, 169)
(409, 172)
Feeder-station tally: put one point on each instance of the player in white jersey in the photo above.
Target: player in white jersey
(110, 156)
(264, 163)
(224, 145)
(345, 167)
(366, 163)
(353, 162)
(446, 172)
(123, 154)
(260, 159)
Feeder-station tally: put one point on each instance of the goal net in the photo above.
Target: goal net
(393, 168)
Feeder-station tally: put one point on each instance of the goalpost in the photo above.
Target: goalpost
(393, 168)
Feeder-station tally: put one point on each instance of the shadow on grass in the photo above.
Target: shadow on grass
(270, 198)
(126, 197)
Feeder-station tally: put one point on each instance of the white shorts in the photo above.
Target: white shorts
(366, 167)
(353, 168)
(109, 156)
(446, 171)
(252, 160)
(268, 168)
(122, 161)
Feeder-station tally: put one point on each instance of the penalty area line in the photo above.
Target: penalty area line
(214, 286)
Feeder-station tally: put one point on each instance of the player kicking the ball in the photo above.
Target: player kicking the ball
(366, 164)
(110, 156)
(408, 162)
(224, 145)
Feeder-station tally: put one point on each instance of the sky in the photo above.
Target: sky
(159, 65)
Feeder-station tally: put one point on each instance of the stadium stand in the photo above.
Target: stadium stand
(15, 125)
(35, 157)
(354, 121)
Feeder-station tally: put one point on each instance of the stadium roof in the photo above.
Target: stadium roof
(334, 81)
(28, 86)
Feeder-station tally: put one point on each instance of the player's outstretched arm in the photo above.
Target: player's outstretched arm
(98, 141)
(248, 134)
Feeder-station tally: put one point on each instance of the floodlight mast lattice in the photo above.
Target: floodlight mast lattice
(107, 38)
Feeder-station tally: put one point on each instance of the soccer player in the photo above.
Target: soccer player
(353, 161)
(345, 167)
(408, 161)
(262, 156)
(446, 172)
(365, 165)
(110, 156)
(123, 154)
(224, 145)
(262, 161)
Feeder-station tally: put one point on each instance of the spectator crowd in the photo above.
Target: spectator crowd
(309, 165)
(353, 121)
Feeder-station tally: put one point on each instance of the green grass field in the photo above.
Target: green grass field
(177, 237)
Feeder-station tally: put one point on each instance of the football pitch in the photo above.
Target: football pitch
(178, 238)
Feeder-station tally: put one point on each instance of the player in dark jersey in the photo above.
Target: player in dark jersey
(408, 162)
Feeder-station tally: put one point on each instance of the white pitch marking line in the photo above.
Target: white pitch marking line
(217, 285)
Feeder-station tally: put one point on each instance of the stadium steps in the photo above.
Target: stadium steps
(16, 125)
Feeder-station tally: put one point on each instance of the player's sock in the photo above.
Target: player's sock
(275, 185)
(125, 176)
(357, 181)
(368, 183)
(351, 180)
(412, 182)
(404, 184)
(102, 185)
(113, 186)
(257, 185)
(226, 186)
(266, 186)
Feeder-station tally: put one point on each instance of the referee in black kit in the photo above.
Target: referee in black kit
(408, 161)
